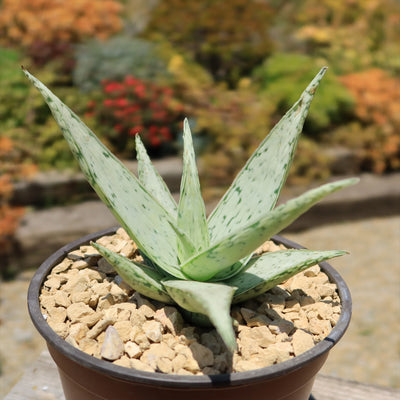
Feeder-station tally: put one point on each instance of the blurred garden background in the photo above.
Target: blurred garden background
(233, 68)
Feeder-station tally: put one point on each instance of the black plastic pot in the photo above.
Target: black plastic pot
(87, 378)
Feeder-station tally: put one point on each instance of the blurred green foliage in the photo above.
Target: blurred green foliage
(114, 59)
(227, 39)
(26, 120)
(283, 77)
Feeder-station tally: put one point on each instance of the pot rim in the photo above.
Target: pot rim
(179, 381)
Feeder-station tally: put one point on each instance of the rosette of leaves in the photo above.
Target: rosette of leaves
(203, 265)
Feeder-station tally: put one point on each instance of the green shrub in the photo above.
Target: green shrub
(227, 38)
(27, 121)
(114, 59)
(281, 79)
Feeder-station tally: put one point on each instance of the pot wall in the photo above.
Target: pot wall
(80, 383)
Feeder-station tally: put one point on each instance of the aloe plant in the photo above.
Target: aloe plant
(203, 265)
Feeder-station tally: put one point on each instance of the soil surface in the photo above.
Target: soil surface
(367, 353)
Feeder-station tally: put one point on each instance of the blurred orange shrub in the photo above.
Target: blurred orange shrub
(376, 131)
(50, 26)
(11, 168)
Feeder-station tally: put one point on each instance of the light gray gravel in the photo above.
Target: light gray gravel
(369, 352)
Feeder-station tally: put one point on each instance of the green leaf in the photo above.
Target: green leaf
(191, 210)
(145, 220)
(210, 299)
(271, 269)
(233, 270)
(256, 188)
(140, 277)
(152, 181)
(237, 245)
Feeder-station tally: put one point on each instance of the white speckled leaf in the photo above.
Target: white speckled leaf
(237, 245)
(256, 188)
(210, 299)
(152, 181)
(233, 270)
(191, 210)
(142, 278)
(145, 220)
(271, 269)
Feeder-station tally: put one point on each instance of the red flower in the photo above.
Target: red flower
(130, 80)
(136, 129)
(118, 128)
(113, 87)
(166, 133)
(153, 130)
(155, 141)
(108, 103)
(121, 102)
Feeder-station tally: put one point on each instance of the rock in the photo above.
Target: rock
(210, 341)
(57, 314)
(141, 366)
(132, 349)
(79, 330)
(146, 311)
(203, 355)
(248, 347)
(101, 289)
(105, 267)
(53, 283)
(222, 362)
(47, 301)
(89, 346)
(99, 327)
(129, 249)
(117, 293)
(153, 330)
(302, 341)
(283, 350)
(184, 372)
(63, 266)
(80, 264)
(137, 318)
(312, 271)
(262, 335)
(178, 363)
(123, 234)
(162, 350)
(281, 326)
(124, 329)
(61, 299)
(105, 302)
(81, 312)
(113, 346)
(142, 340)
(164, 365)
(326, 290)
(254, 319)
(58, 327)
(81, 297)
(170, 318)
(76, 283)
(124, 361)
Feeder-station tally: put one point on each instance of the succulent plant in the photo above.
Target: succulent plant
(203, 265)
